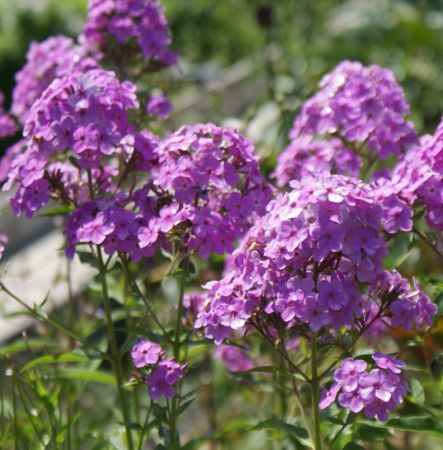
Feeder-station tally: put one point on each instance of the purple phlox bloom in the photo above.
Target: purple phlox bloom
(146, 353)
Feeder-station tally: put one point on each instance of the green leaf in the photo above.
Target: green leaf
(22, 345)
(371, 432)
(87, 258)
(184, 406)
(51, 359)
(420, 424)
(353, 446)
(280, 425)
(399, 250)
(418, 392)
(96, 376)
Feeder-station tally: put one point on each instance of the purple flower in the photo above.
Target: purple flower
(376, 392)
(235, 359)
(375, 384)
(360, 104)
(45, 61)
(351, 400)
(328, 396)
(332, 294)
(160, 106)
(208, 179)
(130, 26)
(95, 230)
(79, 121)
(326, 228)
(146, 353)
(306, 155)
(348, 374)
(388, 362)
(162, 380)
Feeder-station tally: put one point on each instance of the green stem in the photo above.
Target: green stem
(177, 346)
(315, 393)
(115, 355)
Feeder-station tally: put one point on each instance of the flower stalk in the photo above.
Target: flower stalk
(115, 354)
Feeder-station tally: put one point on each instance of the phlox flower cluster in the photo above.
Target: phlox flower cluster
(408, 307)
(417, 181)
(209, 183)
(164, 373)
(362, 106)
(78, 124)
(8, 126)
(306, 155)
(376, 391)
(314, 260)
(134, 25)
(45, 61)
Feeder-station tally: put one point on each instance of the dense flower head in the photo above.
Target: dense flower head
(8, 126)
(376, 391)
(235, 359)
(164, 372)
(417, 180)
(76, 134)
(112, 223)
(313, 260)
(210, 189)
(408, 307)
(304, 259)
(124, 27)
(45, 61)
(306, 155)
(359, 104)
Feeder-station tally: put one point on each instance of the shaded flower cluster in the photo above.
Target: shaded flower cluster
(408, 308)
(308, 262)
(73, 130)
(159, 106)
(417, 181)
(8, 126)
(360, 104)
(376, 392)
(134, 25)
(306, 155)
(209, 183)
(235, 359)
(164, 373)
(45, 61)
(357, 107)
